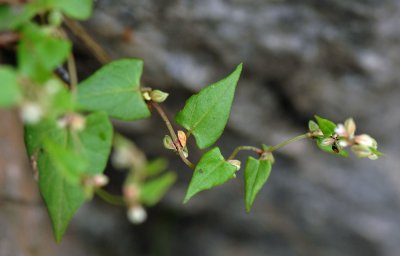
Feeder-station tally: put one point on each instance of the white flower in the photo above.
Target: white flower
(347, 130)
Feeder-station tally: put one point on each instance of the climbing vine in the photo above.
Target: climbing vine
(69, 136)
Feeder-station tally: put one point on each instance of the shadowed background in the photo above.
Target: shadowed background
(334, 58)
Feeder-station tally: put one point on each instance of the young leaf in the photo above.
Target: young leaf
(205, 114)
(115, 89)
(152, 191)
(76, 9)
(38, 53)
(211, 171)
(256, 174)
(58, 176)
(327, 127)
(9, 90)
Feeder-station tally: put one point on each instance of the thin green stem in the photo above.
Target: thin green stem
(282, 144)
(109, 198)
(240, 148)
(171, 130)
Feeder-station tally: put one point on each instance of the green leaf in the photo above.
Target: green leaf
(12, 17)
(9, 90)
(205, 114)
(211, 171)
(256, 174)
(95, 142)
(115, 89)
(39, 54)
(156, 166)
(66, 161)
(58, 175)
(76, 9)
(327, 127)
(152, 191)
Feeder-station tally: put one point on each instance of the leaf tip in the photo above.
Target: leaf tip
(248, 208)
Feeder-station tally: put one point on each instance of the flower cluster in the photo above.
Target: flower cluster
(344, 136)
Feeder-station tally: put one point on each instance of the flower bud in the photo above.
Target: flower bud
(131, 193)
(146, 96)
(100, 180)
(122, 157)
(185, 152)
(158, 96)
(182, 138)
(267, 156)
(96, 181)
(137, 214)
(168, 143)
(235, 163)
(31, 113)
(313, 126)
(52, 86)
(350, 127)
(361, 151)
(77, 122)
(55, 18)
(365, 140)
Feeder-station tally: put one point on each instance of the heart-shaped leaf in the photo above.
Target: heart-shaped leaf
(63, 157)
(115, 89)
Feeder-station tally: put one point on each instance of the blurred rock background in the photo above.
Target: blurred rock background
(334, 58)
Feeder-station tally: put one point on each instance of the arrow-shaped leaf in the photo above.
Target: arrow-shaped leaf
(256, 174)
(205, 114)
(152, 191)
(211, 171)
